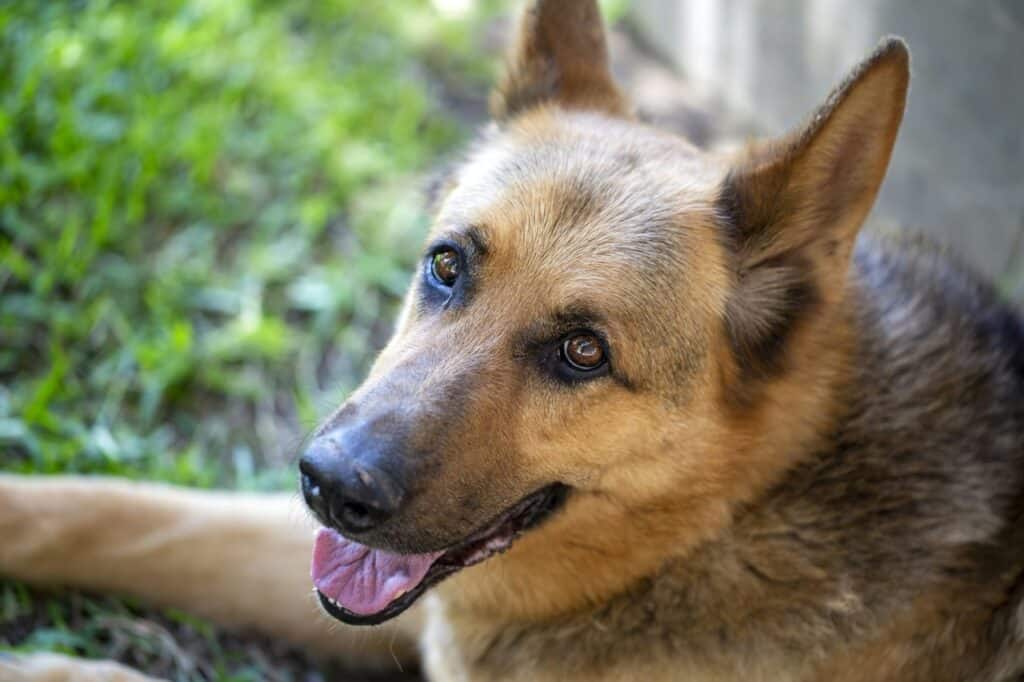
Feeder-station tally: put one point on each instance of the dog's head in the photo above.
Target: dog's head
(613, 339)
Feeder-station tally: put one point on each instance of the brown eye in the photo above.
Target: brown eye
(445, 267)
(583, 352)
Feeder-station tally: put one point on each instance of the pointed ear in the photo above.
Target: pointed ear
(559, 56)
(818, 183)
(793, 206)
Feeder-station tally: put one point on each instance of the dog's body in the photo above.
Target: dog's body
(726, 443)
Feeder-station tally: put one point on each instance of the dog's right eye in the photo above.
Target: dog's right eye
(583, 352)
(580, 356)
(445, 266)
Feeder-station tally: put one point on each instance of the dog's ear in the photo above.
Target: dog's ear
(818, 183)
(793, 206)
(559, 56)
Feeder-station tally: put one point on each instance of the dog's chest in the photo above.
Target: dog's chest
(754, 622)
(459, 650)
(443, 658)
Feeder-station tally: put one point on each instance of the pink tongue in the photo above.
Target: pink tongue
(361, 579)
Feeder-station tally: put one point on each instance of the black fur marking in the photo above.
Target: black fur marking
(747, 214)
(728, 212)
(521, 94)
(759, 338)
(1004, 327)
(770, 298)
(478, 239)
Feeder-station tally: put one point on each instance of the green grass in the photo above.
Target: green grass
(169, 645)
(208, 211)
(206, 218)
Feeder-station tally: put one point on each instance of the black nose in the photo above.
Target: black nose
(343, 491)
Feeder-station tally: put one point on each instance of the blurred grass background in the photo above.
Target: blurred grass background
(206, 218)
(208, 210)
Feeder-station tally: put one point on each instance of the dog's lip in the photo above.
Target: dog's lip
(493, 538)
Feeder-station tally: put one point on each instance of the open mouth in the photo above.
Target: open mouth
(360, 585)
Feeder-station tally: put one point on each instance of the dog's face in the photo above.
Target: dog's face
(601, 330)
(560, 319)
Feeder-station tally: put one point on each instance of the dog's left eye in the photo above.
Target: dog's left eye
(444, 266)
(583, 352)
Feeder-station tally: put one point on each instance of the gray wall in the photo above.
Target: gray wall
(958, 168)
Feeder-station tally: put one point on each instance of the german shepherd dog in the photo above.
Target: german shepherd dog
(650, 413)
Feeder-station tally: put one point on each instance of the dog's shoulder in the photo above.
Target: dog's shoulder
(927, 459)
(918, 497)
(907, 281)
(937, 383)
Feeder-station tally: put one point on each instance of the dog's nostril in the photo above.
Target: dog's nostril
(356, 515)
(356, 509)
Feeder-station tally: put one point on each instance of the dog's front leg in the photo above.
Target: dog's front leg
(238, 559)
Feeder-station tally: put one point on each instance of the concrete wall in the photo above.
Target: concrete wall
(958, 168)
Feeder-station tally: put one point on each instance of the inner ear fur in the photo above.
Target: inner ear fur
(560, 56)
(792, 207)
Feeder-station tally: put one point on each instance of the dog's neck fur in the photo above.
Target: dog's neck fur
(823, 550)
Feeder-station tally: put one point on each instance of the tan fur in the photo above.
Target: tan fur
(804, 464)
